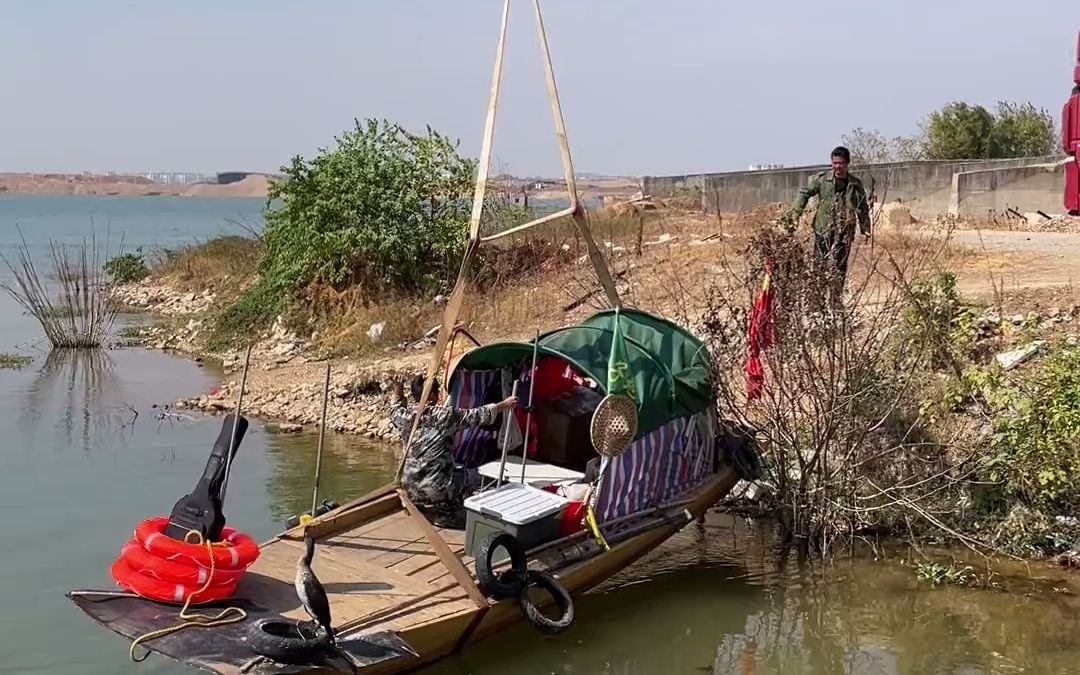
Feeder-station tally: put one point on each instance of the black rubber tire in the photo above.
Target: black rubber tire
(563, 602)
(276, 639)
(507, 584)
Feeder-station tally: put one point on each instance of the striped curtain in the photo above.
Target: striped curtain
(660, 467)
(468, 390)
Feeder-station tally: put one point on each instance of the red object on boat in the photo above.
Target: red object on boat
(761, 336)
(573, 519)
(167, 591)
(160, 568)
(238, 551)
(553, 377)
(573, 516)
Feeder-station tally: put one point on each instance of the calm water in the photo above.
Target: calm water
(78, 474)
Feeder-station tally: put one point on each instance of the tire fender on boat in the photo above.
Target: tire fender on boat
(563, 602)
(507, 584)
(236, 551)
(284, 642)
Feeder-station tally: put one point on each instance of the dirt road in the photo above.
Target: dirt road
(1019, 261)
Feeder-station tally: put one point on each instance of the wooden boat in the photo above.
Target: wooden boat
(402, 591)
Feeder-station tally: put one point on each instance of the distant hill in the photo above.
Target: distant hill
(254, 185)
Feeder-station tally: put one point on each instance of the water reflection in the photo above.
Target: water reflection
(73, 385)
(720, 598)
(351, 467)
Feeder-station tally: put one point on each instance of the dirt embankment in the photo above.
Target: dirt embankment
(285, 379)
(669, 273)
(128, 186)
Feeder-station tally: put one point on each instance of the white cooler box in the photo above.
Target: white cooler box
(532, 515)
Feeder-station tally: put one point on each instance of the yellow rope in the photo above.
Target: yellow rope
(590, 518)
(191, 620)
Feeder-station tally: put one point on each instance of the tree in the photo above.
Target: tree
(386, 208)
(910, 148)
(867, 146)
(1022, 130)
(959, 131)
(962, 131)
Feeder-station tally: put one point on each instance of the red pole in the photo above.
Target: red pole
(1070, 141)
(1076, 71)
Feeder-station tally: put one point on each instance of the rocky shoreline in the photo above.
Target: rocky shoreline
(285, 378)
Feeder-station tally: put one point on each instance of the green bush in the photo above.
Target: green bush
(1035, 447)
(386, 209)
(127, 268)
(936, 320)
(962, 131)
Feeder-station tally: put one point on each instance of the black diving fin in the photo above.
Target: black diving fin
(201, 510)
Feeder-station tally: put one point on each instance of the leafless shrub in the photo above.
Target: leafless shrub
(77, 310)
(839, 416)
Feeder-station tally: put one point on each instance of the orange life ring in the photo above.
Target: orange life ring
(169, 592)
(149, 565)
(237, 551)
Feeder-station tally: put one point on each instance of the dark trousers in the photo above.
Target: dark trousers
(831, 253)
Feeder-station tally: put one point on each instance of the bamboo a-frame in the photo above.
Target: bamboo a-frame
(453, 307)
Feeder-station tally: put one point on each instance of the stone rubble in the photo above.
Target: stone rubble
(358, 402)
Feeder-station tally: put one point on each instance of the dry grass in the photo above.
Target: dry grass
(341, 321)
(224, 264)
(683, 256)
(664, 261)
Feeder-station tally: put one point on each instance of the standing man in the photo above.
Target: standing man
(842, 203)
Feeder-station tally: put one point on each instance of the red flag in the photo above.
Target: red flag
(761, 336)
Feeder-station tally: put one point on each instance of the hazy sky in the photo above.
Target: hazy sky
(667, 86)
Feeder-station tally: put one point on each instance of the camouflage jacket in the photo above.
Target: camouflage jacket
(428, 477)
(836, 212)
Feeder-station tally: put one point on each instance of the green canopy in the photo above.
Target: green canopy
(671, 368)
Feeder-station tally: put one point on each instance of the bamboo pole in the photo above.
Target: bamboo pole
(603, 275)
(236, 424)
(453, 306)
(446, 556)
(322, 438)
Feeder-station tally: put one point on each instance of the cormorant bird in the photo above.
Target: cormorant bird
(310, 591)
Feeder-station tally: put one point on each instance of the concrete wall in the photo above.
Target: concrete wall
(1037, 187)
(925, 186)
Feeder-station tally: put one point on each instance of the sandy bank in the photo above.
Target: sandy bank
(126, 186)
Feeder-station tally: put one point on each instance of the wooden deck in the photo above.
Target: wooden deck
(367, 572)
(381, 572)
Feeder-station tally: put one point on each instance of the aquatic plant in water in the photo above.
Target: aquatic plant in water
(76, 311)
(14, 361)
(936, 574)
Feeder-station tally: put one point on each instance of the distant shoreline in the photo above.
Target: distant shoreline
(55, 184)
(252, 185)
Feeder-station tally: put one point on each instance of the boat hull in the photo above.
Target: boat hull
(412, 627)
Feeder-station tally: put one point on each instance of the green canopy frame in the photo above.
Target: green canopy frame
(671, 368)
